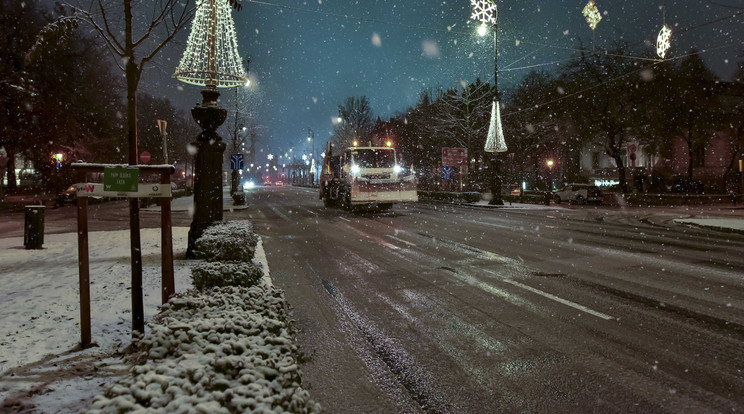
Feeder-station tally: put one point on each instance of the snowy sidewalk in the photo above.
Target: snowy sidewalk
(40, 365)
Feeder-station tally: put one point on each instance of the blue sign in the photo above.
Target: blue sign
(447, 173)
(236, 161)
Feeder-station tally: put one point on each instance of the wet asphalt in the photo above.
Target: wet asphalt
(437, 308)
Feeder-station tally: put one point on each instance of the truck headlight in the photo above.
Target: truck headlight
(397, 169)
(355, 169)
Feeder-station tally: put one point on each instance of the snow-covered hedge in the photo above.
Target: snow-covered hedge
(207, 275)
(227, 350)
(231, 241)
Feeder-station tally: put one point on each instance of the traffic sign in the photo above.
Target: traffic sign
(447, 173)
(237, 161)
(145, 157)
(454, 156)
(120, 180)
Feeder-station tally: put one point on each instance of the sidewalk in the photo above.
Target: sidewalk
(720, 217)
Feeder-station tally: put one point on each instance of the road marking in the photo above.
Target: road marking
(345, 219)
(373, 238)
(278, 213)
(401, 240)
(311, 212)
(560, 300)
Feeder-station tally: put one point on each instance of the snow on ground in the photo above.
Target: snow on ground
(41, 315)
(714, 222)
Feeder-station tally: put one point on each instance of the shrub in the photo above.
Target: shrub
(231, 241)
(228, 350)
(209, 275)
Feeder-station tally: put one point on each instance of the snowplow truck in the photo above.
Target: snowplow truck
(365, 176)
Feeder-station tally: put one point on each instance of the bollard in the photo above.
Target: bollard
(33, 234)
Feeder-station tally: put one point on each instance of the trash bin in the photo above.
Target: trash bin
(33, 234)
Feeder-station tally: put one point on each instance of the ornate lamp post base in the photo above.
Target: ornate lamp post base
(208, 166)
(495, 180)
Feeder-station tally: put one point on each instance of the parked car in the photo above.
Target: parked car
(279, 183)
(579, 194)
(67, 196)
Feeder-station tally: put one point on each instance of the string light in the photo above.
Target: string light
(211, 56)
(592, 14)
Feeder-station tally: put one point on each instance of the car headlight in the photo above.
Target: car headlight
(355, 169)
(248, 184)
(397, 169)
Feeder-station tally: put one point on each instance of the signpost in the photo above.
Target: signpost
(123, 181)
(455, 157)
(237, 161)
(145, 157)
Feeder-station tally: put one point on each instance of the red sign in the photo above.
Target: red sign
(454, 156)
(145, 157)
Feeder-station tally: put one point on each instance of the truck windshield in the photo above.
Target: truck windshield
(374, 158)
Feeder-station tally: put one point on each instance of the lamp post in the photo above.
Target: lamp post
(211, 60)
(311, 138)
(485, 12)
(550, 164)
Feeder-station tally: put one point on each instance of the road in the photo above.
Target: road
(437, 308)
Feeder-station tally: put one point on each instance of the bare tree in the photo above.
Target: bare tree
(355, 122)
(114, 21)
(242, 128)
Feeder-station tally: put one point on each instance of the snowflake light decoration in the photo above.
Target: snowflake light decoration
(211, 56)
(484, 11)
(664, 41)
(592, 14)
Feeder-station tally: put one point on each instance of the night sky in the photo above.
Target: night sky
(307, 57)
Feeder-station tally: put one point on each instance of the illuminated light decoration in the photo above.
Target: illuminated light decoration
(58, 157)
(484, 11)
(389, 143)
(211, 56)
(495, 141)
(482, 30)
(270, 157)
(664, 41)
(592, 14)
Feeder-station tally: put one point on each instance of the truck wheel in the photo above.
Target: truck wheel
(346, 200)
(580, 200)
(557, 199)
(385, 206)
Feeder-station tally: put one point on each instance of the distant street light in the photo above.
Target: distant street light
(550, 164)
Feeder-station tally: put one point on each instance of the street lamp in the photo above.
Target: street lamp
(211, 60)
(550, 164)
(486, 12)
(311, 138)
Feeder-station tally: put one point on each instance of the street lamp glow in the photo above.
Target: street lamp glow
(482, 30)
(549, 163)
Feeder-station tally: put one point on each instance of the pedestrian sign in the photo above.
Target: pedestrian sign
(447, 173)
(236, 161)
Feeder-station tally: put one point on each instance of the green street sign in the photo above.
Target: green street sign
(121, 180)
